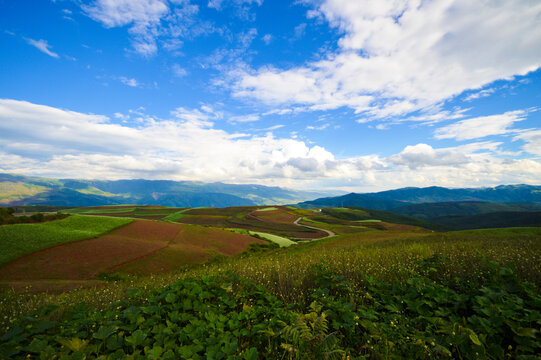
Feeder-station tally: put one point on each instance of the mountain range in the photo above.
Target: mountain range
(448, 209)
(391, 199)
(28, 190)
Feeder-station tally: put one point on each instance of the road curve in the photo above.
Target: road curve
(329, 233)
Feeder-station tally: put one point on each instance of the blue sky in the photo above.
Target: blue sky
(311, 94)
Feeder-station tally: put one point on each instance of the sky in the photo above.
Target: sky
(309, 94)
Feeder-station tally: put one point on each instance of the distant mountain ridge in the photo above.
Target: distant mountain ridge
(29, 190)
(391, 199)
(451, 209)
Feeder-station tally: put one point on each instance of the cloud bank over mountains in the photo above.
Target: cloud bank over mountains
(63, 143)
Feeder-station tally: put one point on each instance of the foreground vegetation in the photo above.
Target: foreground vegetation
(373, 295)
(228, 317)
(22, 239)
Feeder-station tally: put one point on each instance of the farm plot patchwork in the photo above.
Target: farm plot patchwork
(193, 244)
(22, 239)
(142, 247)
(149, 212)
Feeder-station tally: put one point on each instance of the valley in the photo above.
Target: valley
(289, 265)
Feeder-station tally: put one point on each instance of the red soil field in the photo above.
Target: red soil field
(193, 245)
(148, 246)
(279, 216)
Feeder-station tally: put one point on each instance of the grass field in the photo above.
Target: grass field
(22, 239)
(281, 241)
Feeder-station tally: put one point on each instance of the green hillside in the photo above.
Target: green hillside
(359, 214)
(460, 208)
(490, 220)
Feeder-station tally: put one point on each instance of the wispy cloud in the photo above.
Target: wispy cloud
(267, 39)
(244, 118)
(43, 46)
(179, 71)
(320, 127)
(480, 94)
(481, 126)
(129, 81)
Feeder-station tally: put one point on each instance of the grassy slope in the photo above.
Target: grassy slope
(491, 220)
(354, 214)
(22, 239)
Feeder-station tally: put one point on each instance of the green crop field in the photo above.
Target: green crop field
(22, 239)
(267, 209)
(111, 210)
(281, 241)
(176, 215)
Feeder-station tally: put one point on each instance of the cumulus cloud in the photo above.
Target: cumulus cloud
(482, 126)
(43, 46)
(398, 57)
(42, 140)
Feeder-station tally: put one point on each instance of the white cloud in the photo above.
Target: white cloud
(144, 16)
(533, 141)
(267, 38)
(482, 126)
(299, 31)
(423, 155)
(46, 141)
(43, 46)
(129, 81)
(112, 13)
(244, 118)
(480, 94)
(218, 4)
(320, 127)
(179, 71)
(398, 57)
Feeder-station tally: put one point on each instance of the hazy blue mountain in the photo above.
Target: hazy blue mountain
(352, 200)
(26, 190)
(525, 194)
(391, 199)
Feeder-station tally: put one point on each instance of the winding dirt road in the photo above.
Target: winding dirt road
(330, 233)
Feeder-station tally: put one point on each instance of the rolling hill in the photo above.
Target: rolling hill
(354, 200)
(460, 208)
(491, 220)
